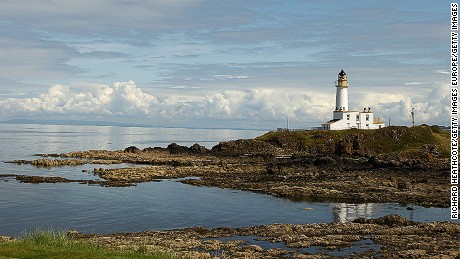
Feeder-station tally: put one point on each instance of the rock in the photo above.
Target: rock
(174, 148)
(390, 220)
(404, 184)
(132, 149)
(277, 252)
(344, 147)
(152, 149)
(198, 149)
(254, 248)
(72, 232)
(244, 147)
(4, 239)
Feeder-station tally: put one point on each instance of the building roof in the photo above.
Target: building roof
(342, 73)
(349, 111)
(332, 121)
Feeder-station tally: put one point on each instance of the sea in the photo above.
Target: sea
(166, 204)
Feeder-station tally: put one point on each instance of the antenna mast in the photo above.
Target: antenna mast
(287, 123)
(412, 114)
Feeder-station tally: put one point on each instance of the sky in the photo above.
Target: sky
(223, 64)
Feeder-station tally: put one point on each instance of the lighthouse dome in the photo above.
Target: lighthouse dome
(342, 75)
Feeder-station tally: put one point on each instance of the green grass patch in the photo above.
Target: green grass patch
(381, 141)
(56, 244)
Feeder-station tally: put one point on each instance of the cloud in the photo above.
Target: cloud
(184, 87)
(223, 77)
(263, 106)
(120, 99)
(97, 15)
(431, 106)
(413, 83)
(440, 71)
(224, 45)
(26, 56)
(125, 98)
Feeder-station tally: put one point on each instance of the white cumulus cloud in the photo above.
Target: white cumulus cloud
(307, 108)
(430, 106)
(121, 98)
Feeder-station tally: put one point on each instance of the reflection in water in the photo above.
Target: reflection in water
(346, 212)
(152, 205)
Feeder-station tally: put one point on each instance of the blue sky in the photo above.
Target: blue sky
(237, 63)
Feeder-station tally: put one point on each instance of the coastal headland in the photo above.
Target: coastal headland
(393, 164)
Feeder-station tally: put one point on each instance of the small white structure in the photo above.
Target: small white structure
(345, 119)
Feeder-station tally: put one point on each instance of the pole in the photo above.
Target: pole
(413, 121)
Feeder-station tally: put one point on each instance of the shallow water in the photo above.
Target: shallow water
(357, 247)
(167, 204)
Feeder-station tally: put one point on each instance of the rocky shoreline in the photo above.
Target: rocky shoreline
(392, 165)
(292, 176)
(391, 236)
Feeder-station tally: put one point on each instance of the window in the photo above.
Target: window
(367, 117)
(348, 117)
(357, 117)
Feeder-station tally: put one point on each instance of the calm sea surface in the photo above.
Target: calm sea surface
(148, 206)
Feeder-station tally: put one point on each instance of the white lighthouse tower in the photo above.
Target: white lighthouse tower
(341, 98)
(343, 118)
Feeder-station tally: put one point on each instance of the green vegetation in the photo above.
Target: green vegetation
(52, 244)
(394, 139)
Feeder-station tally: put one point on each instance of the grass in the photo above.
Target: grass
(381, 141)
(56, 244)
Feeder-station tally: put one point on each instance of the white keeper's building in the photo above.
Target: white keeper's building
(345, 119)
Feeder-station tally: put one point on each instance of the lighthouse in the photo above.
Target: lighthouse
(341, 98)
(343, 118)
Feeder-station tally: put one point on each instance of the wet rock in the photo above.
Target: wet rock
(277, 252)
(63, 162)
(41, 179)
(57, 179)
(417, 240)
(254, 248)
(262, 167)
(390, 220)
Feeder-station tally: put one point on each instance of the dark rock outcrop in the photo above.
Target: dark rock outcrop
(390, 220)
(198, 149)
(132, 149)
(244, 147)
(174, 148)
